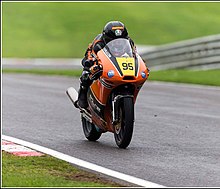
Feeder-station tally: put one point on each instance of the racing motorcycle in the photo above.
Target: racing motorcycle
(118, 75)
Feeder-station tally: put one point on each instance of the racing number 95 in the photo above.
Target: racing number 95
(127, 66)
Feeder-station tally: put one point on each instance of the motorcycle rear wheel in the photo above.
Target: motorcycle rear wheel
(90, 130)
(124, 129)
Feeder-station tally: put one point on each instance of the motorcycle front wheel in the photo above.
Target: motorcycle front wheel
(90, 130)
(124, 128)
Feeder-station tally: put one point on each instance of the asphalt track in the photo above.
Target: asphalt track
(176, 140)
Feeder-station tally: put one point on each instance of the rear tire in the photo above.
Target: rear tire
(124, 129)
(90, 130)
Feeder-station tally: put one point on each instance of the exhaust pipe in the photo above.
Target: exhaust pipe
(72, 94)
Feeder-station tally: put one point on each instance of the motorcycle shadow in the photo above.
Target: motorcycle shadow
(101, 146)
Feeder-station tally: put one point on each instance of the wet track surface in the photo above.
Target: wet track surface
(176, 139)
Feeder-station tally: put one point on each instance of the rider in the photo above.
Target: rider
(112, 30)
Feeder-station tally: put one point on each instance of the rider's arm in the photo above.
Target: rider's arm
(87, 60)
(92, 49)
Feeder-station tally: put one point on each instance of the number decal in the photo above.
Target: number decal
(126, 65)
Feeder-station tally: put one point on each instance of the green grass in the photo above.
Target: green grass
(203, 77)
(64, 29)
(46, 171)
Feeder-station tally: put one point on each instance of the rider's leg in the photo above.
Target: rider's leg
(85, 82)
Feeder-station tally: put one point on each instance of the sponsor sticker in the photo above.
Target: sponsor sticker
(118, 32)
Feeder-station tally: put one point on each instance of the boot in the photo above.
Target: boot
(82, 97)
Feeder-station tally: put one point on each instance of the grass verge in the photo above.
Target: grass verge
(203, 77)
(46, 171)
(64, 29)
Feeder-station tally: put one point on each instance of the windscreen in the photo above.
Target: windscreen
(120, 48)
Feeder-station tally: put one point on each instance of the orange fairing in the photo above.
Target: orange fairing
(103, 86)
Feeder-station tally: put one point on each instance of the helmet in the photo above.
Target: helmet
(114, 30)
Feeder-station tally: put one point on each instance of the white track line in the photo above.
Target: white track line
(85, 164)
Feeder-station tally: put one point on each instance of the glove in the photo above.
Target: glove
(95, 68)
(96, 71)
(89, 63)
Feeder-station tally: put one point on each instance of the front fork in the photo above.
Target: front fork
(115, 107)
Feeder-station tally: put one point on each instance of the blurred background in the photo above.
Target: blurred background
(168, 35)
(64, 29)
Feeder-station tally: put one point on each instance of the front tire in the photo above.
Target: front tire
(90, 130)
(124, 129)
